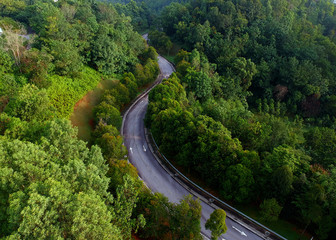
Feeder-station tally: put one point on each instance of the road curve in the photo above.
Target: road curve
(152, 173)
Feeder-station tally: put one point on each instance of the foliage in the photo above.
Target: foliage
(229, 145)
(149, 53)
(108, 115)
(270, 210)
(120, 168)
(65, 92)
(112, 56)
(199, 83)
(320, 143)
(111, 146)
(216, 223)
(156, 6)
(147, 73)
(66, 58)
(129, 81)
(14, 43)
(167, 220)
(275, 52)
(196, 142)
(160, 41)
(53, 185)
(39, 187)
(127, 196)
(36, 65)
(30, 104)
(140, 14)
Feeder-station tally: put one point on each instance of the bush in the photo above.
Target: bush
(65, 92)
(117, 96)
(112, 146)
(108, 114)
(270, 210)
(30, 104)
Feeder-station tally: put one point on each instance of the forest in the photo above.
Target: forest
(54, 185)
(251, 109)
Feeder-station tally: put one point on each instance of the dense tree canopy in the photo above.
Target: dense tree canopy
(251, 111)
(257, 156)
(285, 53)
(41, 197)
(64, 38)
(54, 186)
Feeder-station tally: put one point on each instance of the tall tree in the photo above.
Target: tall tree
(216, 223)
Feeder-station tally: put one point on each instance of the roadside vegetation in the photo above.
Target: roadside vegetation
(251, 108)
(54, 185)
(251, 111)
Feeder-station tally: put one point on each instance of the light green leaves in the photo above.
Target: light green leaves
(216, 223)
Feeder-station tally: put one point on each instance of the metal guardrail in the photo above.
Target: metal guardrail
(158, 80)
(267, 233)
(131, 105)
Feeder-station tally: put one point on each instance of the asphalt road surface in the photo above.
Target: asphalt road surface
(154, 176)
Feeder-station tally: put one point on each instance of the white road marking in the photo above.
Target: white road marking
(205, 237)
(131, 150)
(241, 232)
(144, 148)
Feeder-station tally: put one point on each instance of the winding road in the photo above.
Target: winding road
(157, 178)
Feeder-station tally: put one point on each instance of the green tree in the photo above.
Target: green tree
(160, 41)
(310, 202)
(6, 62)
(108, 114)
(66, 57)
(281, 181)
(320, 142)
(120, 168)
(150, 52)
(105, 52)
(10, 8)
(41, 197)
(270, 210)
(330, 105)
(185, 223)
(102, 128)
(9, 86)
(125, 202)
(30, 104)
(130, 82)
(216, 223)
(244, 70)
(165, 220)
(15, 44)
(36, 65)
(92, 219)
(112, 146)
(199, 83)
(238, 183)
(118, 96)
